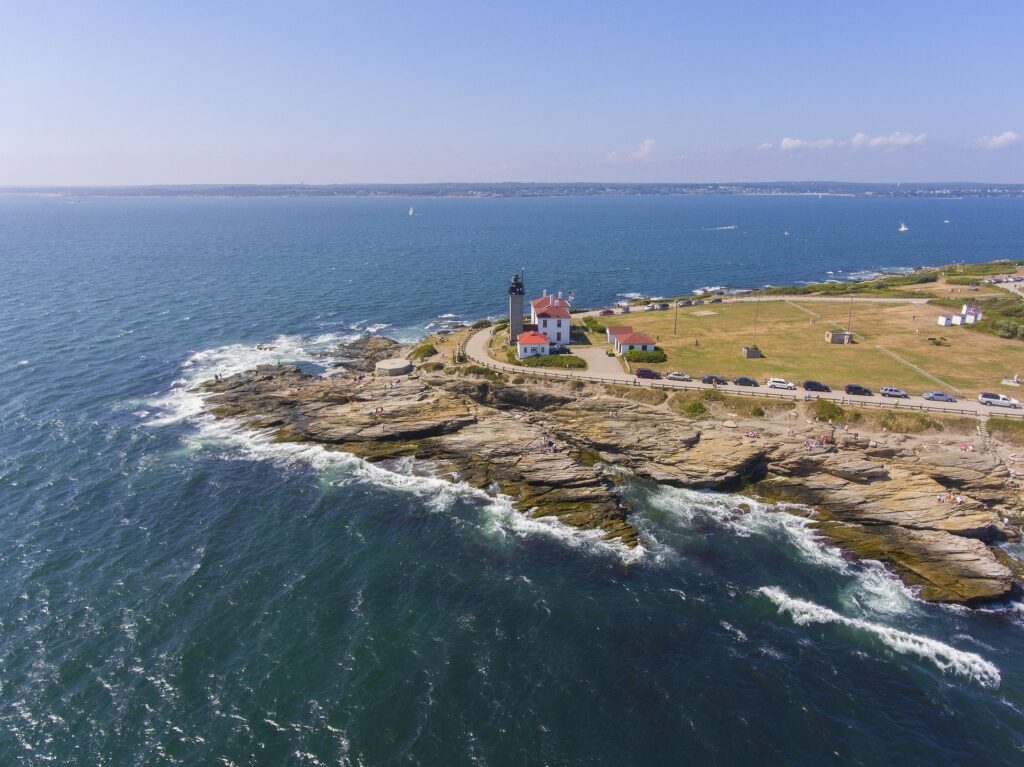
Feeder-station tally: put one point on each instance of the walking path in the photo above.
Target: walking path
(476, 350)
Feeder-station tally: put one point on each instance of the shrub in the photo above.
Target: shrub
(503, 325)
(518, 380)
(757, 411)
(694, 409)
(432, 367)
(826, 410)
(638, 356)
(711, 395)
(424, 350)
(577, 385)
(593, 325)
(480, 370)
(645, 395)
(480, 324)
(554, 361)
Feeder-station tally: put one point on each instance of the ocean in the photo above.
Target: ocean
(179, 591)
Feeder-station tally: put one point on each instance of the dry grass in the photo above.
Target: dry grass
(642, 394)
(796, 348)
(1007, 429)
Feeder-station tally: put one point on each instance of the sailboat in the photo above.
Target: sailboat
(412, 212)
(904, 227)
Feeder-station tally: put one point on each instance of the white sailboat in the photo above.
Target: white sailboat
(412, 212)
(904, 227)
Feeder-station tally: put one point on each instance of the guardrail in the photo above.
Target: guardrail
(569, 374)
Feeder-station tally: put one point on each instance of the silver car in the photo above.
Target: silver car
(997, 400)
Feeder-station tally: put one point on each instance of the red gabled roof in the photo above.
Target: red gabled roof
(620, 330)
(635, 339)
(554, 311)
(532, 337)
(544, 301)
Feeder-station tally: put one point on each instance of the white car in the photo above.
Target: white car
(999, 400)
(780, 383)
(678, 377)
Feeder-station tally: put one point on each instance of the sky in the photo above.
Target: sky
(155, 92)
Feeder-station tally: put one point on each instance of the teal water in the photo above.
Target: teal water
(177, 591)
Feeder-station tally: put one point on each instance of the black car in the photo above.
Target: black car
(815, 386)
(744, 381)
(647, 373)
(560, 349)
(858, 390)
(713, 380)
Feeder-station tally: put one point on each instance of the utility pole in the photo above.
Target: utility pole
(757, 303)
(849, 320)
(675, 319)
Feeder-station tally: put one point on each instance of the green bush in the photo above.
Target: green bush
(757, 411)
(424, 350)
(554, 361)
(518, 380)
(638, 356)
(432, 367)
(503, 325)
(695, 409)
(826, 410)
(479, 324)
(480, 370)
(593, 325)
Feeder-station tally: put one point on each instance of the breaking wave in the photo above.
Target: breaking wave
(947, 658)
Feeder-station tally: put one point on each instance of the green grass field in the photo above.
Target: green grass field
(794, 347)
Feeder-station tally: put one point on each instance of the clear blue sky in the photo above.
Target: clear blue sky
(319, 92)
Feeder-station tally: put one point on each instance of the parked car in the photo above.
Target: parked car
(998, 400)
(663, 306)
(624, 310)
(780, 383)
(605, 312)
(715, 301)
(647, 373)
(892, 391)
(560, 349)
(744, 381)
(684, 302)
(713, 380)
(815, 386)
(676, 376)
(938, 396)
(858, 390)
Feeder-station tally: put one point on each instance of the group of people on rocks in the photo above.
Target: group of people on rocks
(950, 497)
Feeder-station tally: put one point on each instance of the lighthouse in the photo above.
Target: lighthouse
(515, 307)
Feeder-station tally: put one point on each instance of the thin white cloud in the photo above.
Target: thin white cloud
(766, 147)
(793, 144)
(643, 151)
(1003, 140)
(896, 140)
(892, 142)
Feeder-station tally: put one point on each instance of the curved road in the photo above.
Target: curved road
(476, 349)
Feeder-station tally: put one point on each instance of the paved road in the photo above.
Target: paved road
(476, 349)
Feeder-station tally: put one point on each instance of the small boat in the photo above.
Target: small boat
(904, 227)
(786, 233)
(412, 212)
(945, 220)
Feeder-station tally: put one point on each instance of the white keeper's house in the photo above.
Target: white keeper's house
(550, 314)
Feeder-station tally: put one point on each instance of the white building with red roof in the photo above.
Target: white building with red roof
(550, 313)
(624, 339)
(532, 344)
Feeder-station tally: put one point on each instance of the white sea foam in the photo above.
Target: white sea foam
(945, 657)
(872, 588)
(719, 228)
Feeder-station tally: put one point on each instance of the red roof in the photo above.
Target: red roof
(554, 311)
(620, 330)
(635, 339)
(546, 301)
(533, 337)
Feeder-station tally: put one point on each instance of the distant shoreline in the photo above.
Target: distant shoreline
(504, 190)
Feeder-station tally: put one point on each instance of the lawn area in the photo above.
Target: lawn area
(795, 348)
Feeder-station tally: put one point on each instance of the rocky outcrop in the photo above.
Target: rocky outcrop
(560, 455)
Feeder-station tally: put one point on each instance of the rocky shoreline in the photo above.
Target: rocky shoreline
(565, 453)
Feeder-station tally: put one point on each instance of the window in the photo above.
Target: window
(559, 337)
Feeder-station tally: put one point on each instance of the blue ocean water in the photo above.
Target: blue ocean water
(177, 591)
